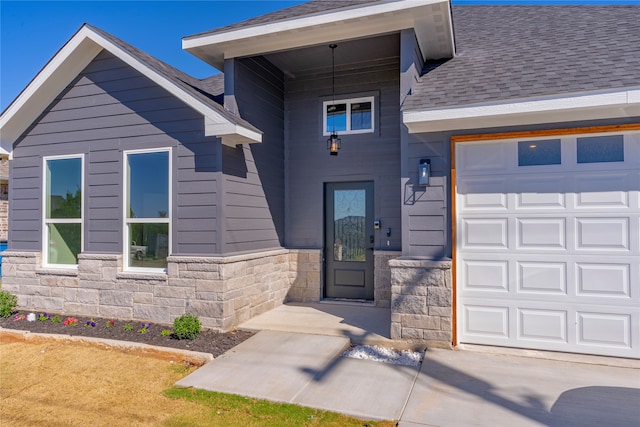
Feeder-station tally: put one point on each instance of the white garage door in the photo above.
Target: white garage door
(548, 243)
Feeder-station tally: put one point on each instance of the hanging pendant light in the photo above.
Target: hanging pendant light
(333, 143)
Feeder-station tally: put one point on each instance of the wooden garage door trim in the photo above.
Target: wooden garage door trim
(502, 136)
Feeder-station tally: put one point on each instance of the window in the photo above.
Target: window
(62, 230)
(348, 116)
(600, 149)
(536, 153)
(148, 209)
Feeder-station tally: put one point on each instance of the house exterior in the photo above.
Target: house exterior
(486, 189)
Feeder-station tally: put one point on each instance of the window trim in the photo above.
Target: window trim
(348, 102)
(46, 221)
(126, 247)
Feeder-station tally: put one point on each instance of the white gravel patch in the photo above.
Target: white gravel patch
(385, 355)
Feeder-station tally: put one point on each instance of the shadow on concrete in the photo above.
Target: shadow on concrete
(597, 406)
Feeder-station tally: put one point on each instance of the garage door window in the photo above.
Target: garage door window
(536, 153)
(600, 149)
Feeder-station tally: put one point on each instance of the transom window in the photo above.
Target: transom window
(348, 116)
(148, 210)
(63, 207)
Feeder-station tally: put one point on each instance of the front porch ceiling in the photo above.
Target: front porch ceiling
(430, 19)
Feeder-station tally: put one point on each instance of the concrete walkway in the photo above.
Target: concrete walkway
(450, 388)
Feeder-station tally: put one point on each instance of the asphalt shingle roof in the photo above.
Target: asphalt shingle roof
(208, 90)
(309, 8)
(509, 52)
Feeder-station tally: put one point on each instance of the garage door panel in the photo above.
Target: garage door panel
(484, 194)
(486, 275)
(603, 190)
(542, 277)
(486, 321)
(542, 325)
(602, 233)
(539, 193)
(541, 233)
(604, 329)
(485, 233)
(483, 157)
(551, 259)
(603, 280)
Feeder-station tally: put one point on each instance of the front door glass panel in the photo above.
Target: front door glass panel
(349, 240)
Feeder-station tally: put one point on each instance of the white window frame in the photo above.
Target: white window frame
(46, 221)
(125, 217)
(326, 131)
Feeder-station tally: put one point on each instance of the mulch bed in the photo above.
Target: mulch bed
(208, 341)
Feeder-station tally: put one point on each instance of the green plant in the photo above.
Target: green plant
(56, 319)
(166, 332)
(128, 327)
(144, 328)
(187, 327)
(8, 303)
(110, 324)
(44, 317)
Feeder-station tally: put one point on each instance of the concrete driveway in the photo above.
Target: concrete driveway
(450, 388)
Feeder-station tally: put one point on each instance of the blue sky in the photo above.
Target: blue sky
(31, 32)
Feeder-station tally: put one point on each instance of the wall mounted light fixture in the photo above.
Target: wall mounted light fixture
(333, 143)
(424, 172)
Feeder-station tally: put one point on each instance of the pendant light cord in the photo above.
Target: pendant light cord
(333, 84)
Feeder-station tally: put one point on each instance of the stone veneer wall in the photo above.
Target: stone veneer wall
(421, 301)
(382, 277)
(305, 275)
(222, 291)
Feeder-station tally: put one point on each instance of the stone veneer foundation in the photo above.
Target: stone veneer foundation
(421, 301)
(222, 291)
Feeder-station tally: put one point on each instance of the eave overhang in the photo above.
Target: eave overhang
(619, 103)
(72, 58)
(430, 19)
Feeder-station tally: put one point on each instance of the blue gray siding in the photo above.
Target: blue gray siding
(253, 186)
(107, 109)
(363, 157)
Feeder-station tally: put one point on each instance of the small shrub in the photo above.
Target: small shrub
(44, 317)
(166, 332)
(187, 327)
(128, 327)
(56, 319)
(8, 303)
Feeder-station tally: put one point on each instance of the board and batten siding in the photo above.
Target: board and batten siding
(107, 109)
(253, 174)
(363, 157)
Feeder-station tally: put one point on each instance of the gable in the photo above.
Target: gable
(79, 51)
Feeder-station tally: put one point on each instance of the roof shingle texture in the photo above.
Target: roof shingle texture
(309, 8)
(511, 52)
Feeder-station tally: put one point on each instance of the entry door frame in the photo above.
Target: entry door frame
(348, 279)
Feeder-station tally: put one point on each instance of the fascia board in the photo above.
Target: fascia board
(625, 103)
(230, 132)
(68, 62)
(316, 29)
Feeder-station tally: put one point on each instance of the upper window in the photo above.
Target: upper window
(536, 153)
(600, 149)
(62, 210)
(148, 209)
(348, 116)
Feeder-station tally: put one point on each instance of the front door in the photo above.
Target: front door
(349, 240)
